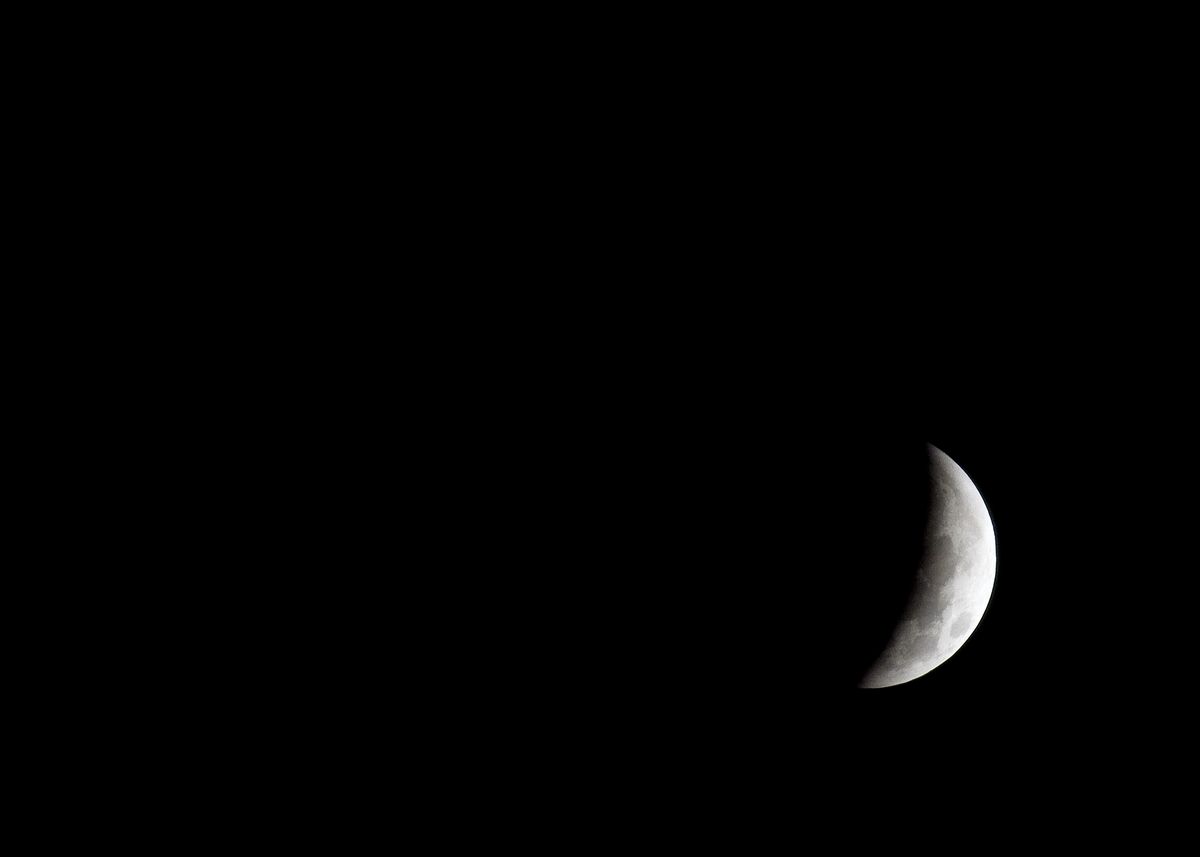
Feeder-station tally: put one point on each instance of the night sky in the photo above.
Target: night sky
(761, 301)
(745, 515)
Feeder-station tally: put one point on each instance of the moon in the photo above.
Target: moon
(953, 584)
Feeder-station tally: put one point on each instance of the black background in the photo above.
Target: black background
(695, 316)
(731, 322)
(711, 512)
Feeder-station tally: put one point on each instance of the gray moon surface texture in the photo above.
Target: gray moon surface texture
(954, 582)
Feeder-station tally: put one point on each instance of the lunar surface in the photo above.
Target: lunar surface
(954, 582)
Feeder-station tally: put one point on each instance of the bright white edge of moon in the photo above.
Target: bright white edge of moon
(954, 583)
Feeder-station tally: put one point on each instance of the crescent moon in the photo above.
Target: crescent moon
(953, 585)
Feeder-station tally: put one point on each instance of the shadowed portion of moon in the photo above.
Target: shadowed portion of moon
(815, 569)
(720, 580)
(952, 585)
(874, 574)
(732, 575)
